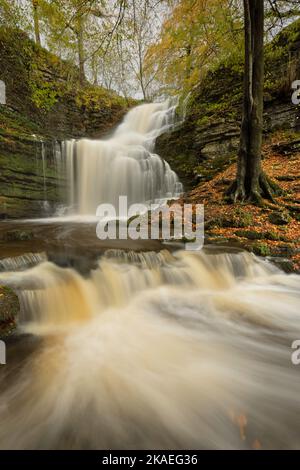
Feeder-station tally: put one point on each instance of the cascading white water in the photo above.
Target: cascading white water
(148, 350)
(99, 171)
(154, 350)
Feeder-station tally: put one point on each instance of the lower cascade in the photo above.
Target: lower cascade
(99, 171)
(149, 251)
(152, 350)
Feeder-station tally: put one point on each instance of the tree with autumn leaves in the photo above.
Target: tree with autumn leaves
(124, 39)
(196, 36)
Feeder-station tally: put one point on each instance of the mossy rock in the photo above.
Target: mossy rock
(250, 234)
(296, 217)
(261, 249)
(237, 219)
(279, 218)
(9, 309)
(216, 240)
(284, 264)
(286, 250)
(18, 235)
(272, 236)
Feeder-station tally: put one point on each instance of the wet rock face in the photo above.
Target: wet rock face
(9, 309)
(46, 96)
(25, 181)
(44, 104)
(18, 235)
(180, 152)
(206, 148)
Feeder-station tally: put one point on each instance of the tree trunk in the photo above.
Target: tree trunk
(80, 47)
(36, 21)
(251, 183)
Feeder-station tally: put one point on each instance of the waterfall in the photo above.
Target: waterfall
(22, 262)
(99, 171)
(153, 350)
(144, 350)
(50, 166)
(43, 152)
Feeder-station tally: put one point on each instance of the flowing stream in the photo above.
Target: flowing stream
(99, 171)
(153, 350)
(145, 349)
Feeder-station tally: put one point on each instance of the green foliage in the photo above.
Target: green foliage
(43, 94)
(284, 41)
(271, 235)
(203, 121)
(93, 97)
(44, 79)
(233, 61)
(250, 234)
(242, 218)
(261, 249)
(279, 56)
(196, 37)
(280, 217)
(220, 93)
(239, 218)
(13, 14)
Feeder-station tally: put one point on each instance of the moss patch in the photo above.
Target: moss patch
(9, 309)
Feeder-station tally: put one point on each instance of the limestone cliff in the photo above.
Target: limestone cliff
(44, 105)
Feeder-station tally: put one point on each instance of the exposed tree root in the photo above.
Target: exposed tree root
(265, 189)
